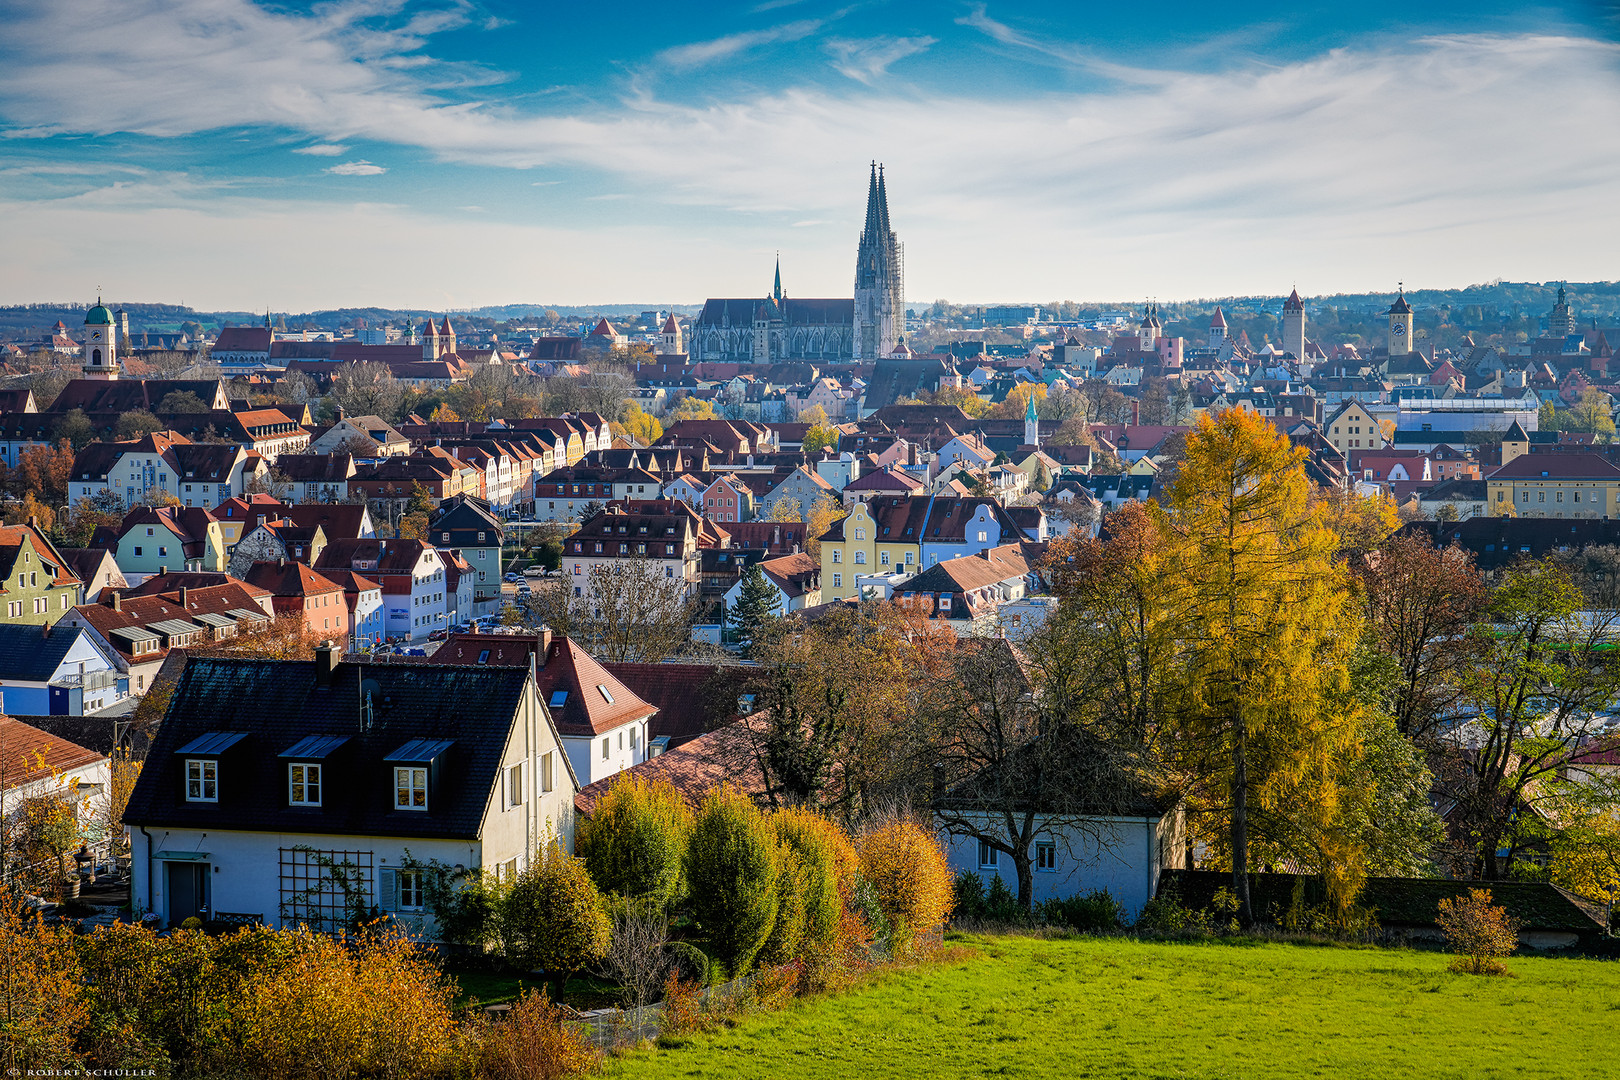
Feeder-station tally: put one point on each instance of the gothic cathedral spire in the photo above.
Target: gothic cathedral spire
(880, 294)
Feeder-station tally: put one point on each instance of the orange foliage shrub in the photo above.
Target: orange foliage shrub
(1479, 931)
(536, 1041)
(906, 868)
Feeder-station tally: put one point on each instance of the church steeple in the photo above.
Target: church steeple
(880, 294)
(777, 292)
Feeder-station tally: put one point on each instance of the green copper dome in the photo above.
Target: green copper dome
(98, 315)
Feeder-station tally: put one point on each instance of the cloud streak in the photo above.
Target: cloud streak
(868, 59)
(357, 168)
(700, 53)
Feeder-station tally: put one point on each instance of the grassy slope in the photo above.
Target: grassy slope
(1114, 1008)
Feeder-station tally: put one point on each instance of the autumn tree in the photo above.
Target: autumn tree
(552, 919)
(823, 513)
(692, 408)
(1538, 682)
(367, 388)
(1268, 626)
(44, 471)
(626, 611)
(634, 842)
(1420, 602)
(641, 426)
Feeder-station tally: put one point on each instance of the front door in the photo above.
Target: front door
(187, 896)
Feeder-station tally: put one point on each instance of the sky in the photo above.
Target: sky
(454, 153)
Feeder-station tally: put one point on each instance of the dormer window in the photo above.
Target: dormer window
(304, 784)
(410, 789)
(202, 780)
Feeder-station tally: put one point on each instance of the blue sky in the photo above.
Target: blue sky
(228, 154)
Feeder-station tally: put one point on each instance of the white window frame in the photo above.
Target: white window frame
(989, 857)
(514, 785)
(202, 777)
(410, 781)
(546, 771)
(408, 886)
(302, 776)
(1046, 856)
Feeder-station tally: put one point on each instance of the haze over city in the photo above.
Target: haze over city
(229, 155)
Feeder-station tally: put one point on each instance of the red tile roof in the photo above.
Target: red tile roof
(587, 710)
(31, 755)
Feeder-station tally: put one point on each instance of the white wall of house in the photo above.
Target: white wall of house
(1126, 861)
(88, 786)
(605, 755)
(99, 683)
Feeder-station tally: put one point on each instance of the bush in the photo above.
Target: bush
(1096, 910)
(787, 931)
(909, 876)
(552, 918)
(43, 1009)
(1165, 914)
(967, 896)
(687, 962)
(635, 842)
(822, 853)
(1001, 903)
(1478, 930)
(732, 867)
(534, 1042)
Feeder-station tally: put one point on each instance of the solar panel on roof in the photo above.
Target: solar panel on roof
(212, 743)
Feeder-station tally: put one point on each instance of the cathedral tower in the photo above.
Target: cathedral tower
(1217, 329)
(1400, 325)
(100, 344)
(880, 272)
(1293, 325)
(669, 339)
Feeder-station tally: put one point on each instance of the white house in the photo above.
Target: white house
(344, 786)
(411, 573)
(797, 579)
(41, 765)
(602, 722)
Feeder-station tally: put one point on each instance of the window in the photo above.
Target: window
(988, 856)
(860, 534)
(838, 556)
(603, 690)
(838, 581)
(1045, 855)
(410, 890)
(545, 771)
(137, 552)
(860, 558)
(884, 558)
(304, 784)
(605, 748)
(910, 557)
(410, 789)
(202, 780)
(514, 785)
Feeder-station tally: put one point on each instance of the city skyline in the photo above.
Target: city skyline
(452, 155)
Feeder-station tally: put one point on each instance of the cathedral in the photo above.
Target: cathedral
(778, 327)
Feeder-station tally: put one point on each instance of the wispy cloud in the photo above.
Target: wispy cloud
(867, 59)
(321, 150)
(699, 53)
(357, 168)
(1067, 54)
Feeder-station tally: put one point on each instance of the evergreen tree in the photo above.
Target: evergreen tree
(755, 608)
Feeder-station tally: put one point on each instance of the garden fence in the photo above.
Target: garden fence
(608, 1028)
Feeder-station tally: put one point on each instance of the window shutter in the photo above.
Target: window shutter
(388, 888)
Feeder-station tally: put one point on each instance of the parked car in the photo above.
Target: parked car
(513, 577)
(525, 590)
(439, 635)
(536, 571)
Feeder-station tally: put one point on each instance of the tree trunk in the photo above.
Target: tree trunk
(1240, 819)
(1026, 879)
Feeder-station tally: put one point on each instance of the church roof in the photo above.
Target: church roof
(1294, 303)
(98, 315)
(1217, 321)
(1400, 306)
(670, 325)
(445, 329)
(604, 329)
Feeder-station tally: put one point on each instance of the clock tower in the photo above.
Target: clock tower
(1400, 325)
(100, 344)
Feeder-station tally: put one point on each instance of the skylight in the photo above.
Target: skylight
(604, 692)
(558, 697)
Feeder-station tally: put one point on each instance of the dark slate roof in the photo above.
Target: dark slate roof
(27, 654)
(1498, 541)
(1402, 902)
(471, 707)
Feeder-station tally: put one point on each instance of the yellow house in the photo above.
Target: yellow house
(1556, 486)
(1352, 427)
(905, 534)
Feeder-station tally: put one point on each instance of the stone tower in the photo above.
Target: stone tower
(1560, 323)
(1400, 325)
(1293, 325)
(1032, 424)
(880, 273)
(100, 344)
(1217, 329)
(669, 339)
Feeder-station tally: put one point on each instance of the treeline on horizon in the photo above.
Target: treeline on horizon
(1496, 302)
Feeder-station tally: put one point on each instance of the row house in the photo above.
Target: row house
(140, 630)
(367, 615)
(48, 671)
(727, 499)
(412, 576)
(38, 585)
(361, 436)
(1555, 486)
(269, 432)
(128, 469)
(396, 479)
(317, 478)
(243, 512)
(157, 539)
(276, 540)
(298, 591)
(562, 495)
(467, 526)
(664, 532)
(905, 534)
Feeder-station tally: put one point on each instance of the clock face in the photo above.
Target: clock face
(1399, 329)
(96, 334)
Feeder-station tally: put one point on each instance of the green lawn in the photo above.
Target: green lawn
(1120, 1008)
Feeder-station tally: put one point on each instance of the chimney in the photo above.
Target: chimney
(182, 598)
(117, 601)
(326, 662)
(545, 643)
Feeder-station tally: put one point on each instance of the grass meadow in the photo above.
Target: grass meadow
(1114, 1007)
